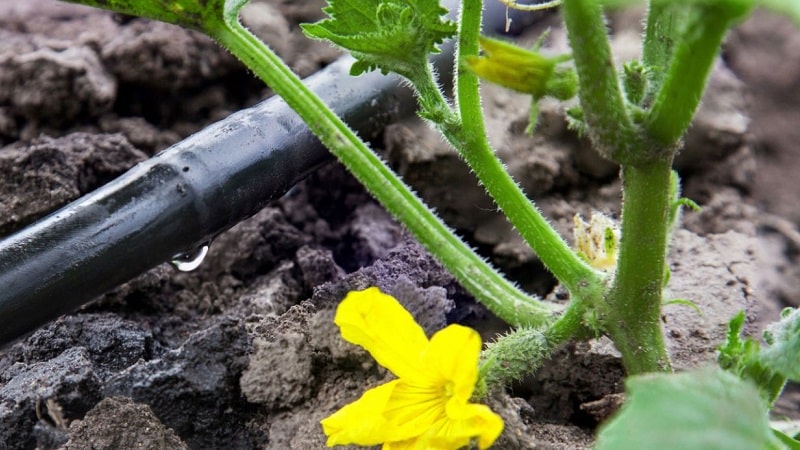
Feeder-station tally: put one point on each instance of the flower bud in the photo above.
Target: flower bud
(597, 242)
(521, 70)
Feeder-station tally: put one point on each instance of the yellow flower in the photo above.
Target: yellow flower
(427, 407)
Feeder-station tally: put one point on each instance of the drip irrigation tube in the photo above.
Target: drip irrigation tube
(185, 196)
(179, 199)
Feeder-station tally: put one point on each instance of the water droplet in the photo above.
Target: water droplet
(188, 261)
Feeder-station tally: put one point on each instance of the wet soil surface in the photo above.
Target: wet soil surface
(242, 352)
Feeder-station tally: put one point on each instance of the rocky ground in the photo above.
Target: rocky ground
(242, 352)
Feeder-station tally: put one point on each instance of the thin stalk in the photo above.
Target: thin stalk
(471, 270)
(467, 92)
(571, 325)
(665, 22)
(604, 111)
(467, 132)
(632, 312)
(685, 81)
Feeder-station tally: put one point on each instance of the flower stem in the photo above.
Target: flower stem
(665, 22)
(571, 324)
(471, 270)
(606, 117)
(632, 311)
(685, 81)
(467, 133)
(522, 351)
(510, 357)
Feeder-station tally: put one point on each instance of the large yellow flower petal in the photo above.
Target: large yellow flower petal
(452, 356)
(435, 406)
(478, 421)
(361, 422)
(423, 444)
(411, 444)
(453, 353)
(475, 421)
(382, 326)
(450, 370)
(415, 408)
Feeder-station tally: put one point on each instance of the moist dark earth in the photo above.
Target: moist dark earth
(242, 352)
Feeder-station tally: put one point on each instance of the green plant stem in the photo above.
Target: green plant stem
(472, 271)
(522, 351)
(632, 312)
(467, 133)
(665, 22)
(604, 111)
(685, 81)
(467, 92)
(571, 325)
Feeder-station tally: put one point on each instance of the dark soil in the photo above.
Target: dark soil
(243, 353)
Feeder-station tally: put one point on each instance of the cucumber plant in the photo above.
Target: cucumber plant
(635, 117)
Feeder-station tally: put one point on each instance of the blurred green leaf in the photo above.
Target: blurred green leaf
(742, 357)
(786, 440)
(702, 410)
(208, 16)
(782, 352)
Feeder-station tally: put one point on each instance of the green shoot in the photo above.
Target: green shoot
(767, 367)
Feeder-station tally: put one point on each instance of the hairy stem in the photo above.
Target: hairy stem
(522, 351)
(685, 81)
(467, 133)
(571, 324)
(471, 270)
(665, 22)
(606, 117)
(632, 311)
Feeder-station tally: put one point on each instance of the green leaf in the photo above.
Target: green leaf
(684, 302)
(735, 351)
(208, 16)
(702, 410)
(768, 366)
(788, 441)
(743, 358)
(392, 35)
(782, 353)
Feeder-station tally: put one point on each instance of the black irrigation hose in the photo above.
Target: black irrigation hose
(181, 197)
(184, 196)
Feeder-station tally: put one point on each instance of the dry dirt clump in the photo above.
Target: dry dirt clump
(243, 353)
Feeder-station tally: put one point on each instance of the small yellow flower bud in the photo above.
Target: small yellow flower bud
(513, 67)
